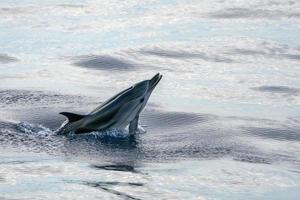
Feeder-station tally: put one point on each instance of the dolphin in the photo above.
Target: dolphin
(118, 112)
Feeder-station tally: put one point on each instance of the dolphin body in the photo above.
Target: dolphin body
(118, 112)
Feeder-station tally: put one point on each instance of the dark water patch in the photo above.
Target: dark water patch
(4, 198)
(267, 50)
(177, 54)
(295, 171)
(12, 10)
(162, 150)
(252, 158)
(283, 134)
(38, 117)
(150, 148)
(248, 52)
(9, 98)
(18, 162)
(248, 13)
(104, 186)
(4, 59)
(174, 119)
(278, 3)
(278, 89)
(116, 183)
(106, 138)
(291, 56)
(72, 6)
(116, 167)
(105, 62)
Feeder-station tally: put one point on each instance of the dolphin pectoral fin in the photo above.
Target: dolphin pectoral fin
(72, 117)
(133, 125)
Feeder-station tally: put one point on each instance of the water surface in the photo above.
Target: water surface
(223, 123)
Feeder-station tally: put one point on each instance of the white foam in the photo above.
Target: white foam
(117, 133)
(34, 128)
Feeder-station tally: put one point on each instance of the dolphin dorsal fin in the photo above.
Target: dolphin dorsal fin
(72, 117)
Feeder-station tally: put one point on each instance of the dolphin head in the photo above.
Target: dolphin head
(135, 99)
(148, 87)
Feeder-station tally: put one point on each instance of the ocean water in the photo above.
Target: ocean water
(223, 123)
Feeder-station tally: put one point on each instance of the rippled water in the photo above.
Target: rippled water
(223, 123)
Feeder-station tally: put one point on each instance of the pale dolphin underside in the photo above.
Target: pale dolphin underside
(118, 112)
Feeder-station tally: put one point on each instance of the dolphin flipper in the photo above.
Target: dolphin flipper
(72, 117)
(133, 126)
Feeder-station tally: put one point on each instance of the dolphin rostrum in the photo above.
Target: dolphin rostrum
(118, 112)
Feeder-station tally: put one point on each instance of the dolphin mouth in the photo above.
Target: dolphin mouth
(154, 81)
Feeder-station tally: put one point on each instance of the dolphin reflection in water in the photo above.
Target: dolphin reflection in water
(118, 112)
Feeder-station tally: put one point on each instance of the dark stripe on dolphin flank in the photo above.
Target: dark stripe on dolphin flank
(105, 118)
(110, 100)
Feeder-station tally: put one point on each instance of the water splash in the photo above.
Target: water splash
(34, 129)
(112, 133)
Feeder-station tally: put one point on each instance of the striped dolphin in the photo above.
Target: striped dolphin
(118, 112)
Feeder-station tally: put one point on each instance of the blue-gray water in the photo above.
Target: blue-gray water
(223, 123)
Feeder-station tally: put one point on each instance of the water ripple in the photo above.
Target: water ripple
(4, 59)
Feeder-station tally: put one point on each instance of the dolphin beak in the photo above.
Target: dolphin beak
(154, 81)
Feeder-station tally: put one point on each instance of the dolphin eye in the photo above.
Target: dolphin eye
(142, 100)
